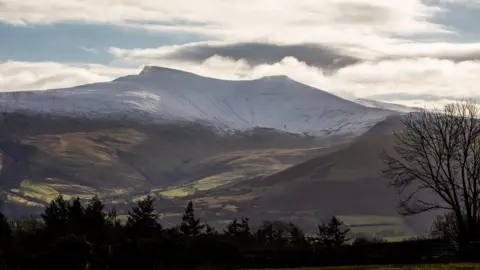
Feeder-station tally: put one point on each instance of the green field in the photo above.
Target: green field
(453, 266)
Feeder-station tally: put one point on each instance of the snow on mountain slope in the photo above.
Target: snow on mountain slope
(385, 105)
(162, 94)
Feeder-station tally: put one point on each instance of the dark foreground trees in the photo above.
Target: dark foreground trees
(445, 227)
(435, 164)
(70, 235)
(334, 233)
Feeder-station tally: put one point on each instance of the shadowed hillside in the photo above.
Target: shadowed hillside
(121, 160)
(263, 174)
(346, 182)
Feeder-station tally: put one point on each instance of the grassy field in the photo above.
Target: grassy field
(453, 266)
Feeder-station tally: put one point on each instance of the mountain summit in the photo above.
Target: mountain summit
(164, 95)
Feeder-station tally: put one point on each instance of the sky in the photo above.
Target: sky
(411, 52)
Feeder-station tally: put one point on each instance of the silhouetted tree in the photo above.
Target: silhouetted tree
(75, 217)
(438, 152)
(56, 216)
(5, 232)
(27, 226)
(190, 225)
(142, 219)
(233, 228)
(365, 240)
(104, 243)
(273, 234)
(296, 236)
(98, 223)
(240, 231)
(69, 252)
(209, 230)
(333, 233)
(445, 227)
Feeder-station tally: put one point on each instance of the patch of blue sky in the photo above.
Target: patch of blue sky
(463, 19)
(81, 42)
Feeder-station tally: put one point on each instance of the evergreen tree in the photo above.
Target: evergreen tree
(112, 220)
(56, 216)
(296, 236)
(96, 220)
(209, 230)
(75, 217)
(332, 234)
(190, 225)
(233, 228)
(273, 234)
(5, 232)
(142, 220)
(238, 229)
(94, 212)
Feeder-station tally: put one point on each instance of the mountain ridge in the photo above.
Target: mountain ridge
(162, 95)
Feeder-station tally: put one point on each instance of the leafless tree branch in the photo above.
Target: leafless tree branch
(439, 152)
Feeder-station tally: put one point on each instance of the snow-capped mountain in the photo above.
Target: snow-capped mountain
(166, 95)
(385, 105)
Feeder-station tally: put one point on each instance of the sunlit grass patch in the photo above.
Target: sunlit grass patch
(21, 200)
(47, 192)
(38, 191)
(177, 192)
(230, 208)
(214, 181)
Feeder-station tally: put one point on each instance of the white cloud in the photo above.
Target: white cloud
(16, 76)
(377, 32)
(327, 21)
(456, 51)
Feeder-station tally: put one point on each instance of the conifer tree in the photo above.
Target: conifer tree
(55, 216)
(142, 220)
(190, 225)
(5, 231)
(238, 229)
(332, 234)
(209, 230)
(75, 217)
(96, 220)
(296, 236)
(233, 228)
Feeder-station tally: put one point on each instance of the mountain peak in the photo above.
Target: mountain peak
(276, 77)
(150, 69)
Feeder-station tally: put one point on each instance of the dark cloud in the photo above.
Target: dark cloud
(262, 53)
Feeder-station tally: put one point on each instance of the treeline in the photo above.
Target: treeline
(70, 235)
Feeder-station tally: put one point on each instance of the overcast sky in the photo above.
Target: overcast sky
(415, 52)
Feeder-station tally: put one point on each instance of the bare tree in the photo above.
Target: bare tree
(439, 152)
(445, 227)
